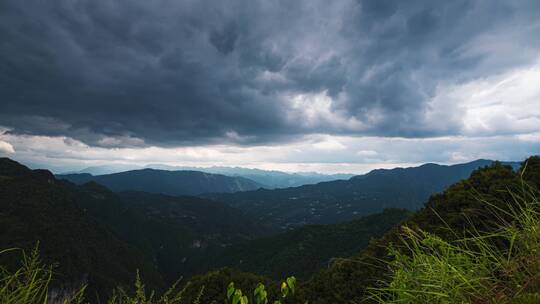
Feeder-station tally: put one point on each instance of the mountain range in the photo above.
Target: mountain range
(344, 200)
(285, 208)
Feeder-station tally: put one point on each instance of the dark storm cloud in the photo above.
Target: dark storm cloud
(161, 72)
(225, 38)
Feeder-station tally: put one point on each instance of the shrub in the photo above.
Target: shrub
(260, 296)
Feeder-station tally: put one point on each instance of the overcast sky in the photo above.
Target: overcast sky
(304, 85)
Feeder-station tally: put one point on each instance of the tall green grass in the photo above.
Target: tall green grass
(31, 284)
(499, 266)
(173, 295)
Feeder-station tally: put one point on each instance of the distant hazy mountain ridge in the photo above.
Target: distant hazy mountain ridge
(166, 182)
(270, 179)
(267, 178)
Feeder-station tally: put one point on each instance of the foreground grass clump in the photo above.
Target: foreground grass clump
(172, 296)
(31, 284)
(500, 266)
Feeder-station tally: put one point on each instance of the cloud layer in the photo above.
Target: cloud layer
(343, 85)
(167, 73)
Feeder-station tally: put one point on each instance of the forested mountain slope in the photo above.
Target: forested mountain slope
(306, 250)
(180, 234)
(466, 205)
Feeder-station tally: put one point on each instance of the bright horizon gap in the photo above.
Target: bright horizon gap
(315, 153)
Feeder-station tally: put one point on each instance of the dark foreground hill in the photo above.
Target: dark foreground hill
(35, 207)
(343, 200)
(166, 182)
